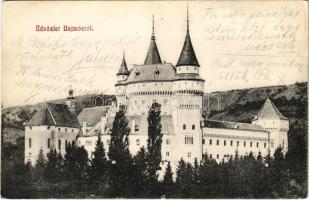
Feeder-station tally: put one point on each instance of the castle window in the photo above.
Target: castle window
(59, 129)
(88, 142)
(203, 141)
(137, 73)
(66, 143)
(30, 143)
(189, 154)
(231, 143)
(257, 144)
(167, 141)
(167, 153)
(136, 128)
(244, 143)
(184, 127)
(188, 140)
(217, 156)
(157, 72)
(193, 127)
(72, 130)
(224, 143)
(48, 143)
(250, 144)
(210, 141)
(265, 145)
(217, 142)
(137, 142)
(237, 143)
(65, 129)
(59, 144)
(48, 127)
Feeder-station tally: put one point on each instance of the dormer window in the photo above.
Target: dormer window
(157, 72)
(137, 73)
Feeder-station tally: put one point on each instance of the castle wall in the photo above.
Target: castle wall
(223, 143)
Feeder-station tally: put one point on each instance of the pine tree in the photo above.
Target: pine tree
(154, 143)
(98, 166)
(119, 155)
(75, 162)
(168, 183)
(51, 172)
(184, 179)
(40, 165)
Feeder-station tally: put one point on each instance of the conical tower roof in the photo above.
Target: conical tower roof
(187, 56)
(269, 111)
(153, 56)
(123, 70)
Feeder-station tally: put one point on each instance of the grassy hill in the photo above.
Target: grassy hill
(235, 105)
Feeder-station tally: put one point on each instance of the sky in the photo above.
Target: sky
(238, 44)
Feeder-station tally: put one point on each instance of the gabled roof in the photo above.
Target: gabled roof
(269, 111)
(54, 114)
(233, 125)
(187, 56)
(92, 115)
(123, 70)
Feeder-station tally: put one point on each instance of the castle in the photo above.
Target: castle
(186, 134)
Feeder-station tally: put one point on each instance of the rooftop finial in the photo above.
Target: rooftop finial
(152, 25)
(187, 17)
(123, 55)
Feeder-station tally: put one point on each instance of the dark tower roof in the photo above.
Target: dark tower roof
(123, 67)
(187, 56)
(153, 56)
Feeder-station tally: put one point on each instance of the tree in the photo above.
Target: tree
(168, 183)
(120, 157)
(140, 174)
(75, 162)
(40, 165)
(98, 166)
(51, 171)
(154, 142)
(184, 180)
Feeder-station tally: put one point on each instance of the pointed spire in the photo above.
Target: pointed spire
(153, 56)
(269, 111)
(187, 56)
(123, 67)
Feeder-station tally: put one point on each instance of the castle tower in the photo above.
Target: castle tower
(122, 76)
(187, 62)
(188, 90)
(153, 56)
(70, 102)
(270, 118)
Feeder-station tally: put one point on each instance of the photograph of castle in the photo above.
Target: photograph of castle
(163, 132)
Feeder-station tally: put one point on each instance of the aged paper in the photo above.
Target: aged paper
(239, 44)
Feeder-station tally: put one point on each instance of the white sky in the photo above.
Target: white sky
(38, 66)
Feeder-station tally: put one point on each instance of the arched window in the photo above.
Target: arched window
(136, 128)
(193, 127)
(184, 127)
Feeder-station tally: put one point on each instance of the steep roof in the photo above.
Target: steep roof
(92, 115)
(155, 72)
(233, 125)
(54, 114)
(153, 56)
(187, 55)
(123, 70)
(270, 111)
